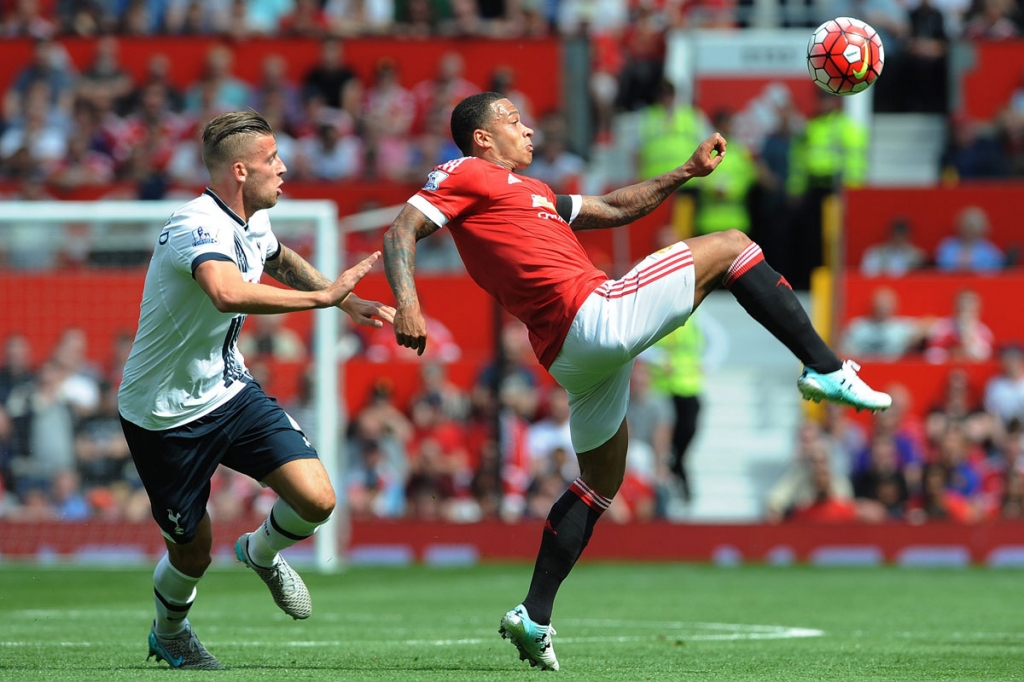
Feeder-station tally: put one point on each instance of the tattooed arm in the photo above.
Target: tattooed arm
(629, 203)
(293, 270)
(409, 227)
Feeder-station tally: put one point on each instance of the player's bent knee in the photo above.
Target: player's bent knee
(734, 242)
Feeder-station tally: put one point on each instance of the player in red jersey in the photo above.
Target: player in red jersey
(517, 240)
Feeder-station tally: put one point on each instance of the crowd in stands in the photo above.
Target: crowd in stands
(63, 454)
(960, 460)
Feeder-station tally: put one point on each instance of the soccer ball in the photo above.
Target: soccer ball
(844, 56)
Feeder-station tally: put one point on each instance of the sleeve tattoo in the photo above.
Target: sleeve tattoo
(627, 204)
(400, 252)
(293, 270)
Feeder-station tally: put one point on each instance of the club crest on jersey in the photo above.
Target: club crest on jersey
(542, 202)
(435, 178)
(201, 236)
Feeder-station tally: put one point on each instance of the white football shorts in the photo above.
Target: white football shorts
(614, 325)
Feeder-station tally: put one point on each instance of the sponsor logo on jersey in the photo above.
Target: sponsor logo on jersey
(201, 236)
(435, 178)
(542, 202)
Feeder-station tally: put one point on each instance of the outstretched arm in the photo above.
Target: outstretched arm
(409, 227)
(629, 203)
(295, 271)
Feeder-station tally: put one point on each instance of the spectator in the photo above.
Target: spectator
(275, 83)
(442, 92)
(961, 336)
(650, 417)
(79, 383)
(938, 502)
(333, 152)
(360, 17)
(307, 20)
(387, 114)
(553, 163)
(16, 370)
(894, 257)
(643, 51)
(550, 444)
(1002, 473)
(228, 93)
(667, 128)
(421, 18)
(828, 499)
(881, 334)
(801, 484)
(1004, 393)
(50, 65)
(25, 20)
(972, 151)
(158, 70)
(922, 67)
(435, 385)
(101, 452)
(375, 487)
(106, 77)
(991, 21)
(722, 198)
(432, 148)
(503, 80)
(881, 488)
(35, 144)
(263, 17)
(44, 430)
(270, 339)
(331, 80)
(198, 17)
(969, 250)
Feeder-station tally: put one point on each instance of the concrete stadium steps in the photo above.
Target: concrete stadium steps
(905, 149)
(748, 421)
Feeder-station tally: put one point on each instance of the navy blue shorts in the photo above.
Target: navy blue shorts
(250, 433)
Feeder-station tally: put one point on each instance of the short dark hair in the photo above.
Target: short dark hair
(223, 136)
(470, 114)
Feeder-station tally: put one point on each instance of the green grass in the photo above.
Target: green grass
(615, 622)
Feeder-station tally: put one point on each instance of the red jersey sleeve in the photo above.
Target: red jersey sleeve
(452, 189)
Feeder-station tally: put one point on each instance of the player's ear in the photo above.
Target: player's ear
(482, 138)
(239, 171)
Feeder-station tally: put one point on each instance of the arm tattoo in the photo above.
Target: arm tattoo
(400, 252)
(292, 269)
(627, 204)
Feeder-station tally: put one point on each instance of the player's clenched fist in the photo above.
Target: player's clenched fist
(707, 156)
(411, 329)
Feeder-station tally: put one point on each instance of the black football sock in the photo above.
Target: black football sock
(768, 298)
(567, 531)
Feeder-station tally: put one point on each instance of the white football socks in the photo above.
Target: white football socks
(173, 593)
(282, 528)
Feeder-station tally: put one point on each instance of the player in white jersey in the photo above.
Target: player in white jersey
(187, 402)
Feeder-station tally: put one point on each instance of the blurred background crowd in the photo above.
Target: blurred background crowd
(498, 446)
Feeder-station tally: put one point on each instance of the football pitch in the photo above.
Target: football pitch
(615, 622)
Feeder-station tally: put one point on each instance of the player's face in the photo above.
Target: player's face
(512, 142)
(265, 168)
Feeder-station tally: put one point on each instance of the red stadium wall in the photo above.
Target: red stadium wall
(931, 212)
(536, 63)
(997, 70)
(493, 541)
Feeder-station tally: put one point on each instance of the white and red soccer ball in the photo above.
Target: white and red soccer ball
(844, 56)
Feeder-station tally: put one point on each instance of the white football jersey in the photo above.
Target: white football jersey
(184, 361)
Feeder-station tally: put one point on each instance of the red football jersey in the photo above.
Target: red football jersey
(514, 245)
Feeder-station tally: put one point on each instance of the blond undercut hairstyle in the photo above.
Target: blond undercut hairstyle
(225, 138)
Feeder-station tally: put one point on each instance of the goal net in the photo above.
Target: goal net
(81, 264)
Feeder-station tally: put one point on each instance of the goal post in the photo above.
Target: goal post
(107, 221)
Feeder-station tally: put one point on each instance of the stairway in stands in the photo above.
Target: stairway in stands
(749, 417)
(905, 149)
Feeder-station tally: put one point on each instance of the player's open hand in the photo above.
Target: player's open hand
(707, 156)
(411, 329)
(344, 285)
(367, 313)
